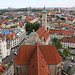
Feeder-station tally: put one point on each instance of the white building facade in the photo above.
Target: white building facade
(4, 51)
(68, 42)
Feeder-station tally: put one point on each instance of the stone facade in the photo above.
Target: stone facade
(20, 69)
(55, 69)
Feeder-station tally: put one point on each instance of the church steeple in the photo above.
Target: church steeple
(44, 10)
(44, 7)
(44, 18)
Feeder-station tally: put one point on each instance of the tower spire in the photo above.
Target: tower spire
(44, 7)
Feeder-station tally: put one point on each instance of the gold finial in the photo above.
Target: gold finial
(37, 42)
(33, 30)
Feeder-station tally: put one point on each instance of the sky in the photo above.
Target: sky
(36, 3)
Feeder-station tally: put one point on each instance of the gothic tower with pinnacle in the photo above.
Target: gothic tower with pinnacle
(44, 18)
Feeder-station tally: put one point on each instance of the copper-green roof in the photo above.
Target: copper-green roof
(44, 10)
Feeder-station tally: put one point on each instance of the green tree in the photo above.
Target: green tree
(7, 18)
(15, 20)
(66, 52)
(31, 26)
(60, 53)
(19, 17)
(62, 18)
(57, 43)
(40, 16)
(55, 39)
(58, 17)
(28, 24)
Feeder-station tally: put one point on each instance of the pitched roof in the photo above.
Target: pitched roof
(68, 39)
(49, 52)
(38, 63)
(42, 33)
(61, 32)
(71, 18)
(10, 35)
(2, 66)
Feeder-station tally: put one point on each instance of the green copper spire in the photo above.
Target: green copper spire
(44, 10)
(44, 7)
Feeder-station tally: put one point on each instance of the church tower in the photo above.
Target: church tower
(44, 18)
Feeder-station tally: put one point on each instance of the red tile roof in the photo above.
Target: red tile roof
(42, 33)
(10, 35)
(69, 18)
(68, 39)
(2, 66)
(61, 32)
(18, 25)
(54, 12)
(49, 52)
(37, 64)
(7, 46)
(65, 24)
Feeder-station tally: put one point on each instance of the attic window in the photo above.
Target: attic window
(44, 39)
(41, 57)
(33, 66)
(4, 68)
(42, 66)
(33, 57)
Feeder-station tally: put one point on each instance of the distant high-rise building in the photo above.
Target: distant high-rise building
(44, 18)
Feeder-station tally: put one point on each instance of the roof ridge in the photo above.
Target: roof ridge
(33, 53)
(44, 64)
(38, 59)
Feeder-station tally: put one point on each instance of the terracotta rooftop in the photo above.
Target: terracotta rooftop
(61, 32)
(71, 18)
(37, 57)
(42, 33)
(38, 63)
(49, 52)
(18, 25)
(10, 35)
(2, 67)
(68, 39)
